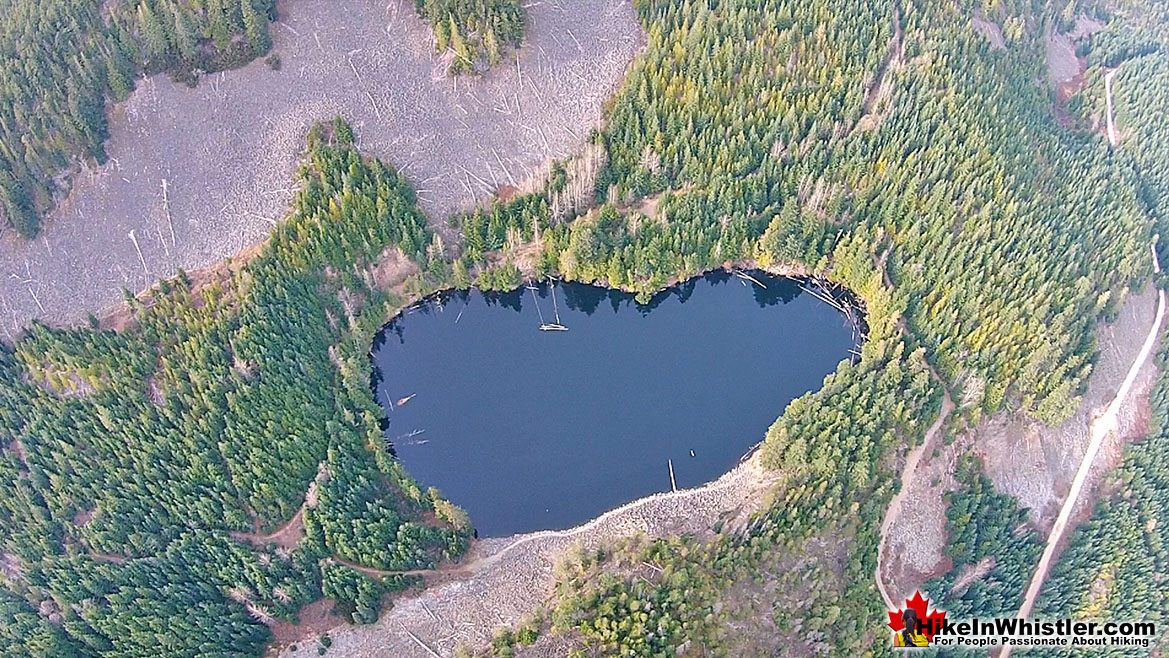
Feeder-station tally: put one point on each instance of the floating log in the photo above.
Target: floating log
(743, 275)
(536, 301)
(554, 326)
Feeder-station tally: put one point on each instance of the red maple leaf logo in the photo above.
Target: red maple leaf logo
(930, 620)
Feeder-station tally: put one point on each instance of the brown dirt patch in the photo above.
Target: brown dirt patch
(392, 268)
(120, 317)
(506, 193)
(313, 620)
(286, 536)
(82, 518)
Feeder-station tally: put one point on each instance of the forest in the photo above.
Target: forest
(473, 31)
(987, 532)
(62, 62)
(141, 469)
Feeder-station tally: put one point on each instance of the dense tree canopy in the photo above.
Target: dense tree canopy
(473, 30)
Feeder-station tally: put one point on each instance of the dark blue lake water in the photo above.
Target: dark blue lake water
(530, 429)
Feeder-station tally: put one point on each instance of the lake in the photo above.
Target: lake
(529, 429)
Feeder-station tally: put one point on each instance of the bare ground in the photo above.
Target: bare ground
(1064, 69)
(510, 578)
(227, 149)
(286, 536)
(990, 30)
(315, 620)
(1062, 64)
(913, 534)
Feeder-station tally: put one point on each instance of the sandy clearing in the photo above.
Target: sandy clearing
(227, 148)
(512, 577)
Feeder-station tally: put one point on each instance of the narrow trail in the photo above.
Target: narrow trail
(911, 463)
(1108, 96)
(894, 55)
(1101, 427)
(276, 535)
(914, 458)
(451, 569)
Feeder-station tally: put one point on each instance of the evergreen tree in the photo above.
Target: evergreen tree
(256, 28)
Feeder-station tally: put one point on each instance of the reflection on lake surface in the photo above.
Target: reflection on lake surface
(530, 429)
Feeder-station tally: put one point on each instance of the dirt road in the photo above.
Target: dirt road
(907, 474)
(1108, 96)
(1101, 427)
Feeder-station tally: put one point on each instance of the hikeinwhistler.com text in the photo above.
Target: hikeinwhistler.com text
(1044, 633)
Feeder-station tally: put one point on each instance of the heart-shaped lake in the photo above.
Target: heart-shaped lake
(529, 429)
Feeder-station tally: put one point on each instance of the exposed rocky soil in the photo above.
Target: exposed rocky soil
(1035, 464)
(1065, 70)
(227, 149)
(990, 30)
